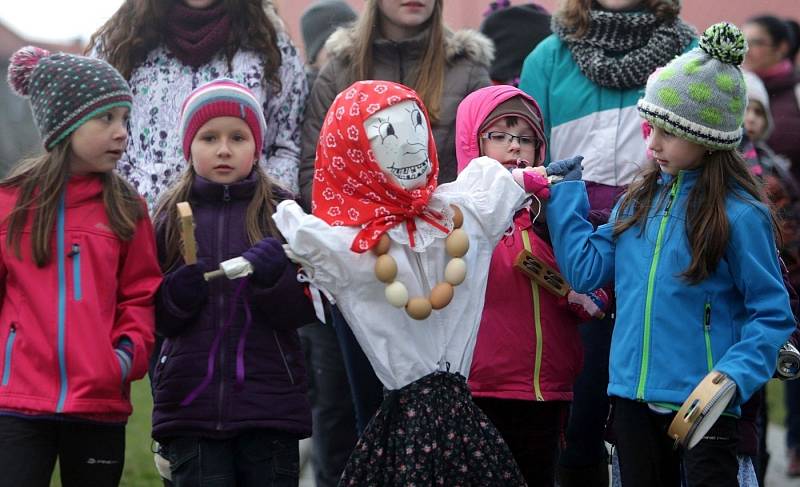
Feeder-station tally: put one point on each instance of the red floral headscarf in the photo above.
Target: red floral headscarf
(350, 188)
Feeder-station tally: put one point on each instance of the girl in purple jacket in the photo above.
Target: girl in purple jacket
(229, 384)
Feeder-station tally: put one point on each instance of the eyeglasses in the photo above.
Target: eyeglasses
(504, 138)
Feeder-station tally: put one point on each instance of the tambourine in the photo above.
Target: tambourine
(701, 409)
(788, 366)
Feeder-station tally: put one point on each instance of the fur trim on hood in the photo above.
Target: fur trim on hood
(274, 18)
(467, 43)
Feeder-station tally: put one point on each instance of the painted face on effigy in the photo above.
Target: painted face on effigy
(398, 136)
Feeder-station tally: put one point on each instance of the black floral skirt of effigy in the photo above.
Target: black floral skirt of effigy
(431, 433)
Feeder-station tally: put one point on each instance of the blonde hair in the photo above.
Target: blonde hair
(41, 181)
(574, 14)
(429, 82)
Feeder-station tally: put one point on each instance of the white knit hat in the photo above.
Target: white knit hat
(758, 92)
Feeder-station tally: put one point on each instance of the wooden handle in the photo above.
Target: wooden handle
(188, 244)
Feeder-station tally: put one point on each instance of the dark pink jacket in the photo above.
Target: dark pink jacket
(528, 344)
(59, 324)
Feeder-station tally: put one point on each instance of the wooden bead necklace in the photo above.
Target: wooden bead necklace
(420, 307)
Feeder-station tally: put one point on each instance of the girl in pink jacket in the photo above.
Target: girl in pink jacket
(78, 275)
(528, 351)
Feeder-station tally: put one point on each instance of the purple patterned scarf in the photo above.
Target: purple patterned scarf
(195, 35)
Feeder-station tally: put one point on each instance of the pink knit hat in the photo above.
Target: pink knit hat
(221, 98)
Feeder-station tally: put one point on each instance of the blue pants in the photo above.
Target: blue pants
(331, 405)
(253, 458)
(587, 419)
(792, 398)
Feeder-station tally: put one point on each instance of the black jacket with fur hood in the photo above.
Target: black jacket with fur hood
(468, 55)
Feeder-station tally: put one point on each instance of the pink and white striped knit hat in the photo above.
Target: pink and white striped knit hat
(222, 97)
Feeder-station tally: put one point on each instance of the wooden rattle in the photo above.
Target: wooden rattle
(543, 274)
(188, 243)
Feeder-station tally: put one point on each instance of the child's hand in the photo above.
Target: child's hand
(592, 306)
(186, 287)
(268, 260)
(569, 169)
(532, 181)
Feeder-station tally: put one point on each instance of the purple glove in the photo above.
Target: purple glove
(186, 287)
(268, 260)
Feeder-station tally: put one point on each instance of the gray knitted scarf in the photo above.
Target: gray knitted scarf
(620, 50)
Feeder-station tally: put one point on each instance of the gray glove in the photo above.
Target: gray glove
(569, 169)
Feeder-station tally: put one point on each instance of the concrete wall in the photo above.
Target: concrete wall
(468, 13)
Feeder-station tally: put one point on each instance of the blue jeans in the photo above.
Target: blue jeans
(589, 411)
(792, 398)
(253, 458)
(331, 405)
(367, 390)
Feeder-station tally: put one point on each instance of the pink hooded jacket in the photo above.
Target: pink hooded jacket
(528, 344)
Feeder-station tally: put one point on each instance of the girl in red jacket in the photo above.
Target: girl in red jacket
(528, 353)
(78, 274)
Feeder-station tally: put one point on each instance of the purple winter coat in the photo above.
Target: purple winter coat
(273, 392)
(786, 112)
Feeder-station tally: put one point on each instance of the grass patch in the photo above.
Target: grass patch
(776, 407)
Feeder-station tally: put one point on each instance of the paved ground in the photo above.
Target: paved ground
(776, 472)
(306, 473)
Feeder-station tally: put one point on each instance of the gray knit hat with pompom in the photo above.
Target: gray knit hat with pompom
(65, 90)
(701, 95)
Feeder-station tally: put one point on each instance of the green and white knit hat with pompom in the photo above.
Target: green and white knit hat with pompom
(701, 95)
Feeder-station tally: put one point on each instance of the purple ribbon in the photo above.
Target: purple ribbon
(240, 346)
(212, 354)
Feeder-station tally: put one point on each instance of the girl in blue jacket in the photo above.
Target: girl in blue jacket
(691, 250)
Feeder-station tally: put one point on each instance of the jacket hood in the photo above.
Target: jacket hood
(474, 110)
(467, 43)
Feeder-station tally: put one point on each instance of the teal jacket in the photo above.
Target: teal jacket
(669, 334)
(581, 117)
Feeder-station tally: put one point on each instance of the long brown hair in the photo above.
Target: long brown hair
(258, 219)
(139, 26)
(429, 82)
(707, 226)
(574, 14)
(42, 181)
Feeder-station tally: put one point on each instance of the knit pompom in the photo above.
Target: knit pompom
(21, 66)
(725, 42)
